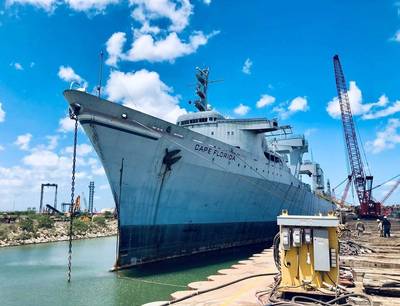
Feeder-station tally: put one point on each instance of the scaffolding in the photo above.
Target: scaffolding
(91, 196)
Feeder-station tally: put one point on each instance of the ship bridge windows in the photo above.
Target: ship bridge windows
(192, 121)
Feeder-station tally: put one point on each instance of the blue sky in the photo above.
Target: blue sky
(279, 52)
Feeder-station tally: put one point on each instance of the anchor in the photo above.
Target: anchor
(170, 158)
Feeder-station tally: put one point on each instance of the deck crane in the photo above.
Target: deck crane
(362, 183)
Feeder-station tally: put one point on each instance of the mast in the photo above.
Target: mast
(201, 89)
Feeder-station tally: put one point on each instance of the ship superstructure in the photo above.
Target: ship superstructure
(205, 183)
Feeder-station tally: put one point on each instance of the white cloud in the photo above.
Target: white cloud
(77, 5)
(90, 5)
(386, 139)
(247, 66)
(52, 142)
(115, 46)
(81, 149)
(241, 109)
(32, 64)
(390, 110)
(1, 148)
(66, 124)
(298, 104)
(207, 2)
(98, 171)
(176, 12)
(2, 113)
(47, 5)
(41, 164)
(358, 108)
(396, 36)
(18, 66)
(265, 100)
(157, 42)
(145, 47)
(23, 141)
(42, 158)
(68, 74)
(144, 91)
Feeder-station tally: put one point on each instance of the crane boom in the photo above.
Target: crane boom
(391, 191)
(346, 191)
(362, 183)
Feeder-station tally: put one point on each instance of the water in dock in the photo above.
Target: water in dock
(36, 274)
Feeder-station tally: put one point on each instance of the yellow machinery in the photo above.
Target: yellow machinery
(309, 252)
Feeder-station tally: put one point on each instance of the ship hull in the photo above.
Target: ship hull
(212, 196)
(148, 243)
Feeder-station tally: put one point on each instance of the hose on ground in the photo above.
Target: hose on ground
(306, 300)
(276, 254)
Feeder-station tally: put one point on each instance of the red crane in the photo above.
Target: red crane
(362, 182)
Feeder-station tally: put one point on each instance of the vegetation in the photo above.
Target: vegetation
(27, 225)
(108, 215)
(45, 221)
(25, 235)
(79, 226)
(4, 231)
(99, 221)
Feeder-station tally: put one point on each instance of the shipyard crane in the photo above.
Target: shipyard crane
(362, 183)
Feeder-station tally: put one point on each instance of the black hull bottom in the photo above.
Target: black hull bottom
(139, 244)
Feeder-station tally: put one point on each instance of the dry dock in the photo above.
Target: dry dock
(375, 272)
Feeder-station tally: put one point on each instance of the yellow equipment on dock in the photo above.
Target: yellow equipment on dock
(309, 252)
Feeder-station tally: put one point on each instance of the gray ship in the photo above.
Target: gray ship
(202, 184)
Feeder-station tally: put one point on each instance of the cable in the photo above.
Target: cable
(362, 147)
(150, 282)
(276, 253)
(385, 182)
(341, 183)
(198, 292)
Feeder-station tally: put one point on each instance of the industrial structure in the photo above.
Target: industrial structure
(91, 197)
(369, 207)
(41, 195)
(362, 182)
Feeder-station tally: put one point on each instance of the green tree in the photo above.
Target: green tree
(99, 221)
(79, 226)
(45, 222)
(108, 214)
(26, 224)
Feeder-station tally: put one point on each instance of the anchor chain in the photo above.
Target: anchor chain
(71, 208)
